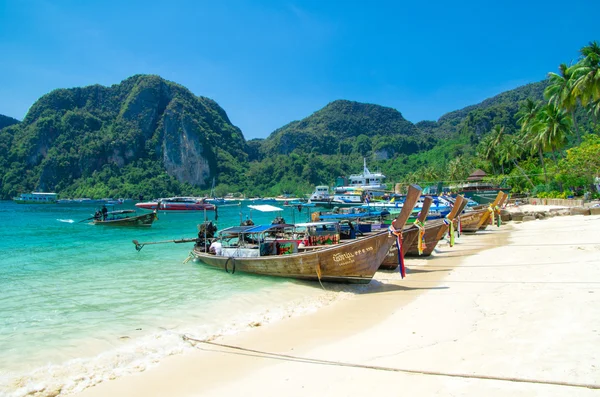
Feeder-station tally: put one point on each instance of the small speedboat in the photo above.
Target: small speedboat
(177, 204)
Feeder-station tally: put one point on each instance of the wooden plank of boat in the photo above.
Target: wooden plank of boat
(409, 236)
(144, 220)
(350, 261)
(435, 230)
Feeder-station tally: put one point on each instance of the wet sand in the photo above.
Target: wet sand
(521, 302)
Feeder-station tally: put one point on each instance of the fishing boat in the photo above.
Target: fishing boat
(273, 250)
(434, 231)
(213, 199)
(124, 218)
(36, 198)
(178, 204)
(409, 235)
(495, 211)
(473, 220)
(367, 181)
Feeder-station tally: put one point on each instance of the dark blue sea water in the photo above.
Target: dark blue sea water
(78, 303)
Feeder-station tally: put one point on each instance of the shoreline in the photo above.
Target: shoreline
(343, 319)
(527, 309)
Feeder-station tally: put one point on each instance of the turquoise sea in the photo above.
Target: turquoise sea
(79, 305)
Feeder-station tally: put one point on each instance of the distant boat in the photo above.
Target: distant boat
(36, 198)
(177, 204)
(125, 218)
(212, 199)
(321, 197)
(367, 181)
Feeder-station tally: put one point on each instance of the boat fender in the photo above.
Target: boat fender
(232, 259)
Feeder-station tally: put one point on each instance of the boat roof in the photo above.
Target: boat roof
(308, 224)
(256, 228)
(121, 212)
(264, 228)
(371, 214)
(265, 208)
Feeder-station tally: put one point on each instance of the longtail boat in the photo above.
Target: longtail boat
(410, 233)
(496, 212)
(125, 218)
(345, 261)
(434, 231)
(472, 221)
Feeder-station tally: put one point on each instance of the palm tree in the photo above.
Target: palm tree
(527, 114)
(528, 118)
(553, 127)
(510, 151)
(488, 148)
(587, 74)
(559, 92)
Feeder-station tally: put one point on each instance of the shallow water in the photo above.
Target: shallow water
(78, 304)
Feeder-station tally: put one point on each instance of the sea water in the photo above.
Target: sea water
(79, 305)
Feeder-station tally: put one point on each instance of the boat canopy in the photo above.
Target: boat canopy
(120, 212)
(265, 208)
(264, 228)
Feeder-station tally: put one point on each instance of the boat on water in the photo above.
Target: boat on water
(322, 198)
(281, 250)
(178, 204)
(367, 181)
(36, 198)
(441, 206)
(213, 199)
(124, 218)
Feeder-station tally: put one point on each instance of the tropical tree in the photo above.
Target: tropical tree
(511, 151)
(489, 146)
(553, 127)
(587, 84)
(527, 114)
(527, 117)
(559, 92)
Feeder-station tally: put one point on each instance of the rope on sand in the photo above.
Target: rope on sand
(392, 369)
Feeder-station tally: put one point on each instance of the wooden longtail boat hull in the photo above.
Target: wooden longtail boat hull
(351, 261)
(500, 204)
(472, 221)
(435, 230)
(144, 220)
(409, 236)
(432, 230)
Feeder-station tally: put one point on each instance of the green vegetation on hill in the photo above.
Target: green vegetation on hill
(6, 121)
(153, 137)
(144, 136)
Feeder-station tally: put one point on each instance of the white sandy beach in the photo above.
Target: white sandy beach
(522, 301)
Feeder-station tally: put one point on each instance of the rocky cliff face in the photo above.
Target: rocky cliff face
(71, 133)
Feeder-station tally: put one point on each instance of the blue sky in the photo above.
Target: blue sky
(271, 62)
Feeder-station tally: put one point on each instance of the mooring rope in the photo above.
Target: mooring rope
(309, 360)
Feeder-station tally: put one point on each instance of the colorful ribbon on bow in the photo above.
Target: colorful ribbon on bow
(499, 219)
(398, 234)
(492, 213)
(450, 225)
(421, 246)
